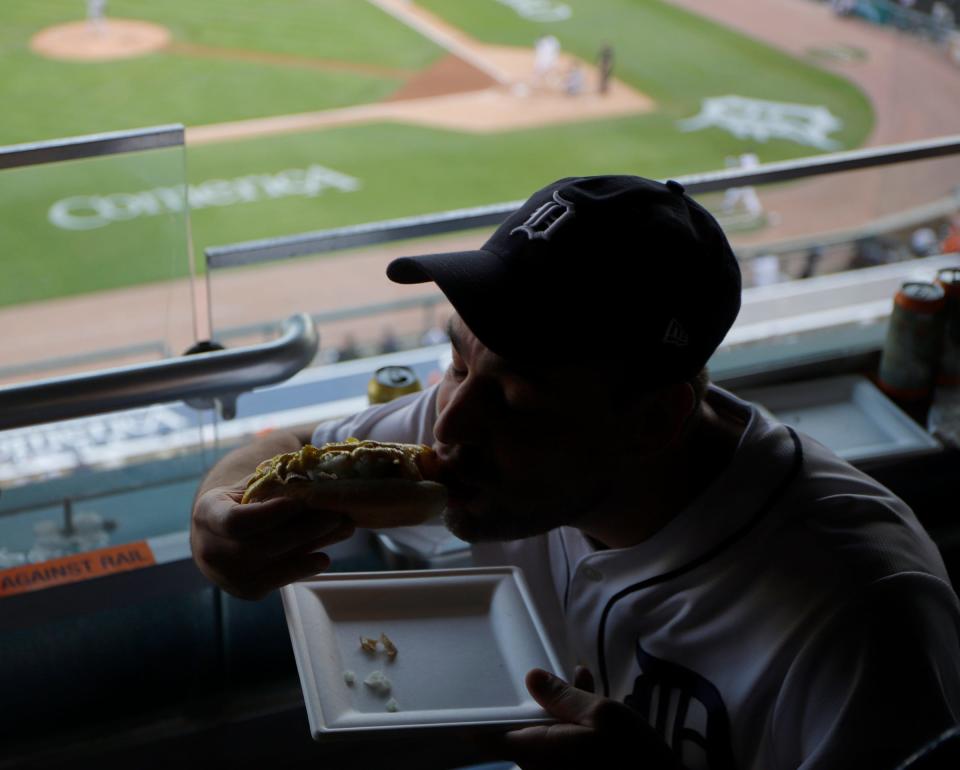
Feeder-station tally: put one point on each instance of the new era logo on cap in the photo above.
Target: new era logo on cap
(676, 334)
(546, 219)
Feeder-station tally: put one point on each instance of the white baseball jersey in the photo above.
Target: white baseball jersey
(795, 615)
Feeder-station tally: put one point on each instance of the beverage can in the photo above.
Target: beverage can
(949, 373)
(911, 352)
(390, 382)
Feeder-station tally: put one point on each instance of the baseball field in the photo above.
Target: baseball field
(306, 114)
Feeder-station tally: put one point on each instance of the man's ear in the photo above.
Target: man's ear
(660, 421)
(683, 400)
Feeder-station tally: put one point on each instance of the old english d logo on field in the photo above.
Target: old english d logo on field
(543, 222)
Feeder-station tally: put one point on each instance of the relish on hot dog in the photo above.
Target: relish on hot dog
(402, 475)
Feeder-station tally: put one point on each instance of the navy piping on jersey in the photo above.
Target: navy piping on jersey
(700, 560)
(566, 561)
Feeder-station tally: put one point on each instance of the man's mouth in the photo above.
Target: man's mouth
(463, 482)
(459, 492)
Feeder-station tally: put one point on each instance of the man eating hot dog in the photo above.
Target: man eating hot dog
(726, 592)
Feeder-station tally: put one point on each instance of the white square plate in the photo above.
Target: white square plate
(849, 414)
(465, 640)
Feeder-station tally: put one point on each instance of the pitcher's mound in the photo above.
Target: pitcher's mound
(111, 39)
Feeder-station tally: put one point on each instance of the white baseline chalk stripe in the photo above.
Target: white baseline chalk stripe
(398, 9)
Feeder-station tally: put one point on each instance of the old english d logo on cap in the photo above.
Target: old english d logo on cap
(543, 222)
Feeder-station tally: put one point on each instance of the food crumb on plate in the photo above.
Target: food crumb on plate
(377, 682)
(368, 645)
(389, 646)
(350, 678)
(392, 705)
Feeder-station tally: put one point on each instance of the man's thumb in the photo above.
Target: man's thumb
(560, 699)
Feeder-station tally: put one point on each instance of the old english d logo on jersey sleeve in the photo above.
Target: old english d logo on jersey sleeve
(543, 222)
(664, 694)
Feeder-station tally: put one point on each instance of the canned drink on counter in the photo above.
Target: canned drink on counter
(390, 382)
(949, 280)
(911, 353)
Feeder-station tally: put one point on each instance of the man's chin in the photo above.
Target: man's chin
(474, 525)
(464, 524)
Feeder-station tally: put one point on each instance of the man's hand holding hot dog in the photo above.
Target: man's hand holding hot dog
(253, 535)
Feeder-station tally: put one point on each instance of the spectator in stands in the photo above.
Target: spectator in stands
(743, 597)
(389, 342)
(434, 336)
(811, 262)
(348, 350)
(951, 242)
(871, 251)
(943, 17)
(843, 7)
(924, 242)
(953, 47)
(765, 269)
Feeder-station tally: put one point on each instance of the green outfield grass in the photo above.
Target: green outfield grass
(397, 170)
(47, 98)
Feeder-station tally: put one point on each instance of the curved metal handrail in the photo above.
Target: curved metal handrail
(219, 374)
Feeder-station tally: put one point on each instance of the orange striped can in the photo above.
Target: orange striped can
(949, 374)
(911, 352)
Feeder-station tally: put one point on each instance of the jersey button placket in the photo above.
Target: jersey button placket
(591, 573)
(587, 593)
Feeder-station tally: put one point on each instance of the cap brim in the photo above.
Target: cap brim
(453, 266)
(475, 282)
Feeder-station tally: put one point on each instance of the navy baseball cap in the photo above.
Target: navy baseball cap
(596, 268)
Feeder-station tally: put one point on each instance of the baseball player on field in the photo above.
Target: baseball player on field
(545, 57)
(96, 11)
(724, 591)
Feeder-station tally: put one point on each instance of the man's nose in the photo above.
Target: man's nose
(463, 419)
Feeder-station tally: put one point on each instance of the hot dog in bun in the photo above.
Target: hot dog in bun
(402, 476)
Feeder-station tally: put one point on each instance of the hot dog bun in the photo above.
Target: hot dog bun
(384, 484)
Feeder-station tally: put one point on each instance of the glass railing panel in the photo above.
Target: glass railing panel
(96, 249)
(97, 587)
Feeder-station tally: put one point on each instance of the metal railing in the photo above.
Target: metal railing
(335, 239)
(91, 146)
(219, 375)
